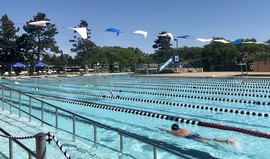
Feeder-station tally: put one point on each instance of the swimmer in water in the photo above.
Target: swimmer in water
(112, 94)
(15, 82)
(181, 132)
(244, 79)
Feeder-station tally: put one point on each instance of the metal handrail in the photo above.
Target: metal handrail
(30, 153)
(94, 123)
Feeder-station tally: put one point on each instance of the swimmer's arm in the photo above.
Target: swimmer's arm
(164, 130)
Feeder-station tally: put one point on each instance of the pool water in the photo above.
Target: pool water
(166, 96)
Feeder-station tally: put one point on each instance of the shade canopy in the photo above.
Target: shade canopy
(40, 64)
(18, 64)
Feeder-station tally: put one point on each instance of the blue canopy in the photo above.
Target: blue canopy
(18, 64)
(40, 64)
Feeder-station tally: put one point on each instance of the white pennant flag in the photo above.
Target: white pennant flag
(204, 40)
(140, 32)
(40, 23)
(82, 31)
(170, 35)
(167, 34)
(248, 42)
(222, 41)
(258, 42)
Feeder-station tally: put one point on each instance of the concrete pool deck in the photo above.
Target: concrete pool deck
(187, 75)
(213, 74)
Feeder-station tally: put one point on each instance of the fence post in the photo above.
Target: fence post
(74, 127)
(2, 98)
(56, 118)
(155, 152)
(121, 143)
(10, 102)
(42, 114)
(30, 108)
(29, 156)
(40, 145)
(10, 148)
(20, 104)
(95, 133)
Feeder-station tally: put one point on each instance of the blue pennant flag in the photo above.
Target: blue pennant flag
(117, 31)
(237, 42)
(183, 36)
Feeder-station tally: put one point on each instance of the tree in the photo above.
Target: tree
(40, 38)
(84, 49)
(8, 45)
(141, 57)
(216, 54)
(163, 46)
(122, 57)
(24, 46)
(191, 55)
(253, 51)
(59, 61)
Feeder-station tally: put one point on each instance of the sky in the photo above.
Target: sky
(230, 19)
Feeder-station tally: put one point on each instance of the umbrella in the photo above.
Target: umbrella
(18, 64)
(40, 64)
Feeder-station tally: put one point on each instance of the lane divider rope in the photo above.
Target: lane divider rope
(202, 107)
(166, 117)
(63, 150)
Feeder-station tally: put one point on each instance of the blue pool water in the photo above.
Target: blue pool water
(177, 97)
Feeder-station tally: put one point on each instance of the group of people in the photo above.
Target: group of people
(181, 132)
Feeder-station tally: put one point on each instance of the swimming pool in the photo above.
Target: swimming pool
(227, 102)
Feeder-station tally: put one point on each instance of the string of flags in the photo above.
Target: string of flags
(82, 31)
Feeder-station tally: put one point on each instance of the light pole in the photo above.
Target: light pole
(177, 63)
(176, 40)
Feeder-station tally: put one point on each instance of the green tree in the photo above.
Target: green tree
(24, 46)
(253, 51)
(141, 56)
(84, 48)
(216, 54)
(59, 61)
(191, 55)
(8, 45)
(163, 48)
(40, 38)
(122, 57)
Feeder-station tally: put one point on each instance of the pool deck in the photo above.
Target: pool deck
(187, 75)
(213, 74)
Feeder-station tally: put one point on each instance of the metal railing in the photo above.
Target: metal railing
(74, 117)
(40, 145)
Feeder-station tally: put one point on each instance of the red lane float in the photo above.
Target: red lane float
(223, 127)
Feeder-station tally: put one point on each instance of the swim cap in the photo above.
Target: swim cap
(174, 127)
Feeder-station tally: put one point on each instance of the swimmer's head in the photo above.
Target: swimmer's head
(174, 127)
